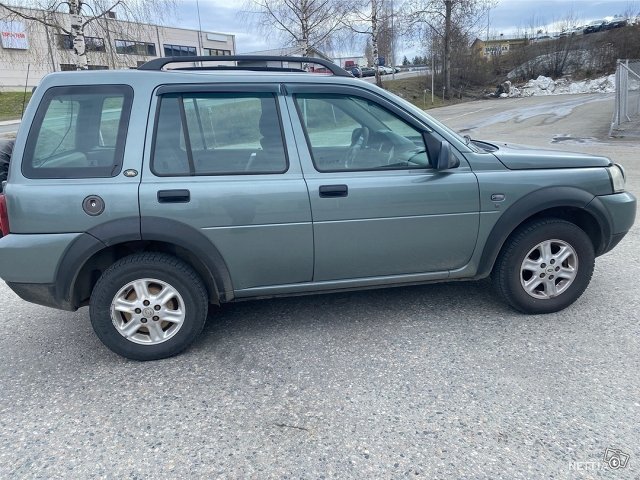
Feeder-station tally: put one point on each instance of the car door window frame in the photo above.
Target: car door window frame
(355, 98)
(191, 89)
(294, 89)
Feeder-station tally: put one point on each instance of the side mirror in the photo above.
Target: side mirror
(446, 158)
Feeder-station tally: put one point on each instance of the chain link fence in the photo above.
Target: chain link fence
(626, 114)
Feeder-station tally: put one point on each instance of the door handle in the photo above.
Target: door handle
(174, 196)
(332, 191)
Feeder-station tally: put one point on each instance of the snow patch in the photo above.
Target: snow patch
(547, 86)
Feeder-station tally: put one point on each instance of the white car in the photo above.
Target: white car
(385, 70)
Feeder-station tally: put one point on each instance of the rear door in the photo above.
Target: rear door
(218, 161)
(379, 207)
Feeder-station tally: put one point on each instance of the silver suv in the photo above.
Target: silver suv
(151, 194)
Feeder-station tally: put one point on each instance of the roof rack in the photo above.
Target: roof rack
(158, 63)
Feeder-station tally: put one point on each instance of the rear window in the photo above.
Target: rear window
(79, 132)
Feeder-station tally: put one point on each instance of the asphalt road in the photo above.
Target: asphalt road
(440, 381)
(397, 76)
(9, 130)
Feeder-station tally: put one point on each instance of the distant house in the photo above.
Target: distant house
(285, 52)
(496, 46)
(354, 60)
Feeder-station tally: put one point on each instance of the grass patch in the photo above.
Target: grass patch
(413, 90)
(11, 104)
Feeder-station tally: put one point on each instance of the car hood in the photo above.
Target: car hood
(520, 157)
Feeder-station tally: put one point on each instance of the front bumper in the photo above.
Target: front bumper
(621, 212)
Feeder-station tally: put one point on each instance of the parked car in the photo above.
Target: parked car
(571, 31)
(355, 71)
(367, 71)
(595, 26)
(384, 70)
(150, 195)
(616, 23)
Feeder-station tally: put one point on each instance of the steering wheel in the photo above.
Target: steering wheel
(359, 140)
(387, 147)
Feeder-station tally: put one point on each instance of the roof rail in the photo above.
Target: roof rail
(158, 63)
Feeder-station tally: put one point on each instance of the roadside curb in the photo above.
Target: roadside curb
(9, 122)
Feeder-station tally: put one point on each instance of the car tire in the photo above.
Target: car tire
(148, 306)
(6, 148)
(544, 266)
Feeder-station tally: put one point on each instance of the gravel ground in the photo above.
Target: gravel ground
(439, 381)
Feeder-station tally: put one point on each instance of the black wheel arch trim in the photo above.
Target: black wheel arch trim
(86, 246)
(534, 203)
(146, 229)
(191, 239)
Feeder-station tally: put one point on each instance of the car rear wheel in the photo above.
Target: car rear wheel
(148, 306)
(544, 266)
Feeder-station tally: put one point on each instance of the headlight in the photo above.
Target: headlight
(616, 173)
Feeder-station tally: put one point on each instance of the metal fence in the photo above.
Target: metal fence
(626, 115)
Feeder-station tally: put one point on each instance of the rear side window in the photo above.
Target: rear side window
(218, 134)
(79, 132)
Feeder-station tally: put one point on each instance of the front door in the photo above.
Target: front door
(379, 207)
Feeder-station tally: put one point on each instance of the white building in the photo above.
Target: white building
(31, 49)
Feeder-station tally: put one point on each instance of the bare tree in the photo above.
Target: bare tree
(72, 17)
(307, 23)
(387, 34)
(366, 19)
(443, 17)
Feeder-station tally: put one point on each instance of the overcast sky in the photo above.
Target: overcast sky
(227, 16)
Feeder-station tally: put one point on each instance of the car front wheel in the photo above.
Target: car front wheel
(544, 266)
(148, 306)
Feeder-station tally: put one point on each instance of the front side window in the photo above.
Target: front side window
(351, 133)
(218, 134)
(78, 132)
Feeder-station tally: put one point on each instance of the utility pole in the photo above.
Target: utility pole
(433, 75)
(199, 30)
(488, 21)
(393, 53)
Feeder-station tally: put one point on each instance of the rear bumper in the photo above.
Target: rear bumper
(29, 263)
(40, 294)
(32, 258)
(621, 213)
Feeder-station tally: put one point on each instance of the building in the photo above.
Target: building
(287, 52)
(355, 60)
(496, 46)
(30, 50)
